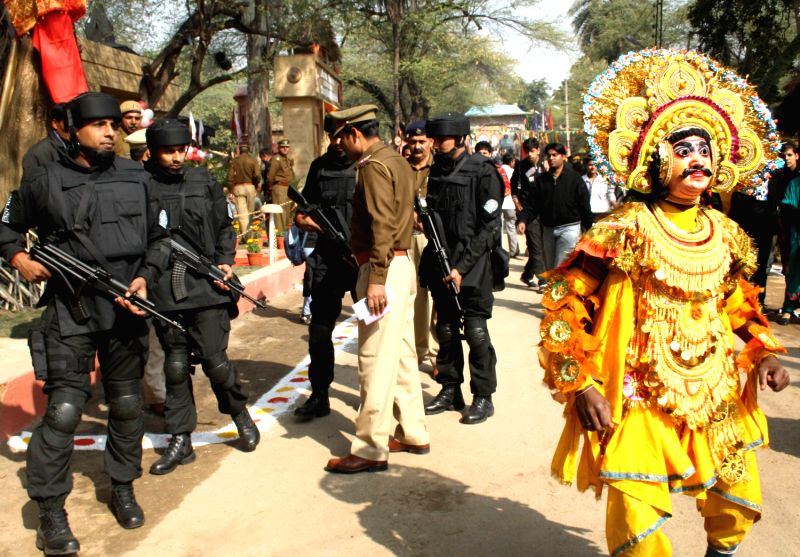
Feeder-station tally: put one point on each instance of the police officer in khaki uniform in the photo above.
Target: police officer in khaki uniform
(420, 159)
(383, 219)
(244, 177)
(137, 143)
(279, 178)
(131, 119)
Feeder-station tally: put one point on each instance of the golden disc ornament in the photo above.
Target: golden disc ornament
(644, 97)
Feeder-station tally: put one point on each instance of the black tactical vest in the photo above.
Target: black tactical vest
(453, 197)
(110, 210)
(337, 186)
(187, 206)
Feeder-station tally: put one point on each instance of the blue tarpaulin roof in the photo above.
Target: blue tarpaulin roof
(496, 110)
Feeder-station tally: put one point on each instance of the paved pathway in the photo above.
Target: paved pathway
(483, 490)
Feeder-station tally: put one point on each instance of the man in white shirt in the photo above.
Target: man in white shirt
(602, 196)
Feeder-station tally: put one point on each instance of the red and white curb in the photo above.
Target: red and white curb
(265, 411)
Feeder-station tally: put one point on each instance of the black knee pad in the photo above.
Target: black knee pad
(219, 369)
(476, 335)
(176, 372)
(125, 405)
(445, 332)
(63, 417)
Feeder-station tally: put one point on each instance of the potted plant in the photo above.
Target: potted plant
(279, 234)
(254, 254)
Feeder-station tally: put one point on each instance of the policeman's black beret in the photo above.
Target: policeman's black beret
(167, 132)
(87, 107)
(415, 128)
(449, 123)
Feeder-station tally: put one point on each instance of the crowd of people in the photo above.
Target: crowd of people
(643, 285)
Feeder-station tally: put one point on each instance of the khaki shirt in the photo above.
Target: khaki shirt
(280, 171)
(383, 208)
(421, 177)
(121, 148)
(244, 169)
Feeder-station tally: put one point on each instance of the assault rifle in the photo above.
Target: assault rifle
(432, 227)
(72, 270)
(329, 229)
(186, 258)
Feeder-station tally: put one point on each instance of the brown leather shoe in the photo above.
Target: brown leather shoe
(396, 446)
(352, 464)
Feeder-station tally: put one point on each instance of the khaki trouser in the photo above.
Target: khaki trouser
(155, 390)
(281, 197)
(424, 314)
(387, 369)
(245, 204)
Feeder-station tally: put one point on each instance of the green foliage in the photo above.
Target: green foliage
(758, 39)
(535, 95)
(607, 29)
(432, 55)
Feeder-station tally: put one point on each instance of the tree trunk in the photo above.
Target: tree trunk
(259, 121)
(24, 122)
(396, 76)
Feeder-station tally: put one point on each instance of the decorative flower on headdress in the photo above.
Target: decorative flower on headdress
(644, 97)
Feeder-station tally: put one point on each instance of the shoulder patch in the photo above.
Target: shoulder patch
(163, 220)
(491, 206)
(7, 210)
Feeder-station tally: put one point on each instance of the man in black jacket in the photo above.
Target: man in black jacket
(560, 199)
(465, 191)
(330, 183)
(49, 148)
(190, 203)
(522, 180)
(93, 206)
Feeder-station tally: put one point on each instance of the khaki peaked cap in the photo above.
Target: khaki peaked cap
(361, 113)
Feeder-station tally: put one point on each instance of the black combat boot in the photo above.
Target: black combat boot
(179, 451)
(479, 411)
(316, 406)
(53, 536)
(449, 398)
(249, 435)
(124, 506)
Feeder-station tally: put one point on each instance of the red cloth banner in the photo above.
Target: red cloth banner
(62, 70)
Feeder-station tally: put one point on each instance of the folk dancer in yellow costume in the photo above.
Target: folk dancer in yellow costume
(638, 338)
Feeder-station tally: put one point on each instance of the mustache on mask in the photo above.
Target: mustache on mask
(687, 172)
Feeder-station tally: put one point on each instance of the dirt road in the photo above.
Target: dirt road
(483, 490)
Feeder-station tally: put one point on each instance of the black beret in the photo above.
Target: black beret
(167, 132)
(416, 128)
(448, 123)
(87, 107)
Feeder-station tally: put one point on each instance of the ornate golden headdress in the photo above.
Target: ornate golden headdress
(643, 97)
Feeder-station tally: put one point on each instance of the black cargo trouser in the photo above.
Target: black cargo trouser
(206, 339)
(121, 353)
(477, 305)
